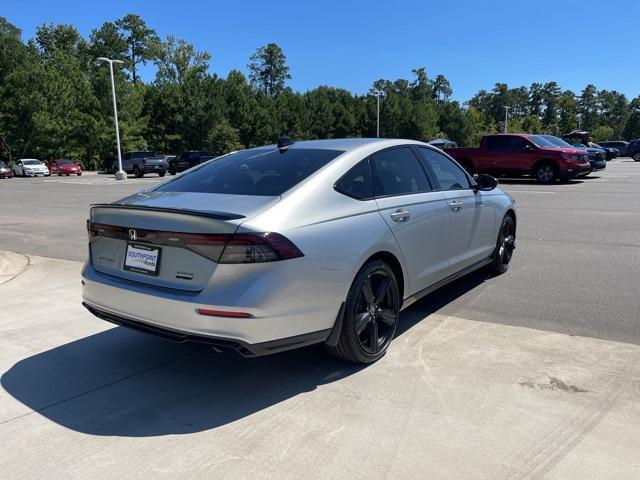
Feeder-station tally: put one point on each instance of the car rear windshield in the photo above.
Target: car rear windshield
(262, 171)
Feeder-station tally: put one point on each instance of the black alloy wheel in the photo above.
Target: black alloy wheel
(505, 246)
(370, 314)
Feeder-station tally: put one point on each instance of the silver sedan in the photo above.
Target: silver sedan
(287, 245)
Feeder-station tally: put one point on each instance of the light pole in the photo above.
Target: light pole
(120, 174)
(506, 117)
(377, 93)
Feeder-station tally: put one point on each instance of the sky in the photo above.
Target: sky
(351, 44)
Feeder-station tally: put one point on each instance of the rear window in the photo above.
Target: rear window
(142, 154)
(266, 172)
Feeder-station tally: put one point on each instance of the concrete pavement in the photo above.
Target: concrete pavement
(453, 398)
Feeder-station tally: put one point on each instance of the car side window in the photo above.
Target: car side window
(397, 171)
(356, 183)
(517, 144)
(496, 143)
(449, 175)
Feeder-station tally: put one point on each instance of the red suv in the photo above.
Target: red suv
(523, 154)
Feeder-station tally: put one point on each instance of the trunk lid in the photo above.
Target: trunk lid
(141, 225)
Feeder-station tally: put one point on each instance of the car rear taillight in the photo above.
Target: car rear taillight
(258, 248)
(221, 248)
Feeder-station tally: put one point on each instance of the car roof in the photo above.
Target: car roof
(346, 144)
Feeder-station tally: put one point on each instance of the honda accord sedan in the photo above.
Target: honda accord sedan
(282, 246)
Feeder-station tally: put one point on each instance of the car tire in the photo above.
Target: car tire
(505, 246)
(80, 173)
(137, 172)
(370, 315)
(636, 157)
(172, 170)
(162, 173)
(546, 173)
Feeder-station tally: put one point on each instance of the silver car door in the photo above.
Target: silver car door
(417, 216)
(473, 231)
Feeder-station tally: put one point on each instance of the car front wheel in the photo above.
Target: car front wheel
(370, 314)
(636, 157)
(546, 173)
(162, 173)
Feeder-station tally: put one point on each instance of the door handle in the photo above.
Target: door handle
(455, 205)
(400, 215)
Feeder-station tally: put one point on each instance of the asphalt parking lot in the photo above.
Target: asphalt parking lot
(529, 375)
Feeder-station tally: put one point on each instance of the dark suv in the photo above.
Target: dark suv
(633, 150)
(186, 160)
(619, 145)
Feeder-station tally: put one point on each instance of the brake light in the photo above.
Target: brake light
(221, 248)
(258, 248)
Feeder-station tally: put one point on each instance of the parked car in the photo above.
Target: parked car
(523, 154)
(5, 171)
(610, 152)
(283, 246)
(633, 150)
(64, 166)
(443, 143)
(141, 162)
(186, 160)
(619, 145)
(30, 167)
(597, 157)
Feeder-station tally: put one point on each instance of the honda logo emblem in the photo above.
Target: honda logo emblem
(132, 234)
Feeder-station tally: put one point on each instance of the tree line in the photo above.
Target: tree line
(55, 100)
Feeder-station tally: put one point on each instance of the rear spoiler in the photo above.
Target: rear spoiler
(196, 213)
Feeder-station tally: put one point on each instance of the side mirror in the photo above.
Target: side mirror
(485, 183)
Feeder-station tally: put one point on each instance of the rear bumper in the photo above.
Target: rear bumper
(243, 348)
(292, 304)
(155, 168)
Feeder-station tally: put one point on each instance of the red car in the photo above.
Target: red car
(523, 154)
(64, 167)
(5, 171)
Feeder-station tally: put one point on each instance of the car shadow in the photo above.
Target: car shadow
(124, 383)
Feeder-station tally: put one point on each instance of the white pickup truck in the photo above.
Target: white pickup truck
(141, 162)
